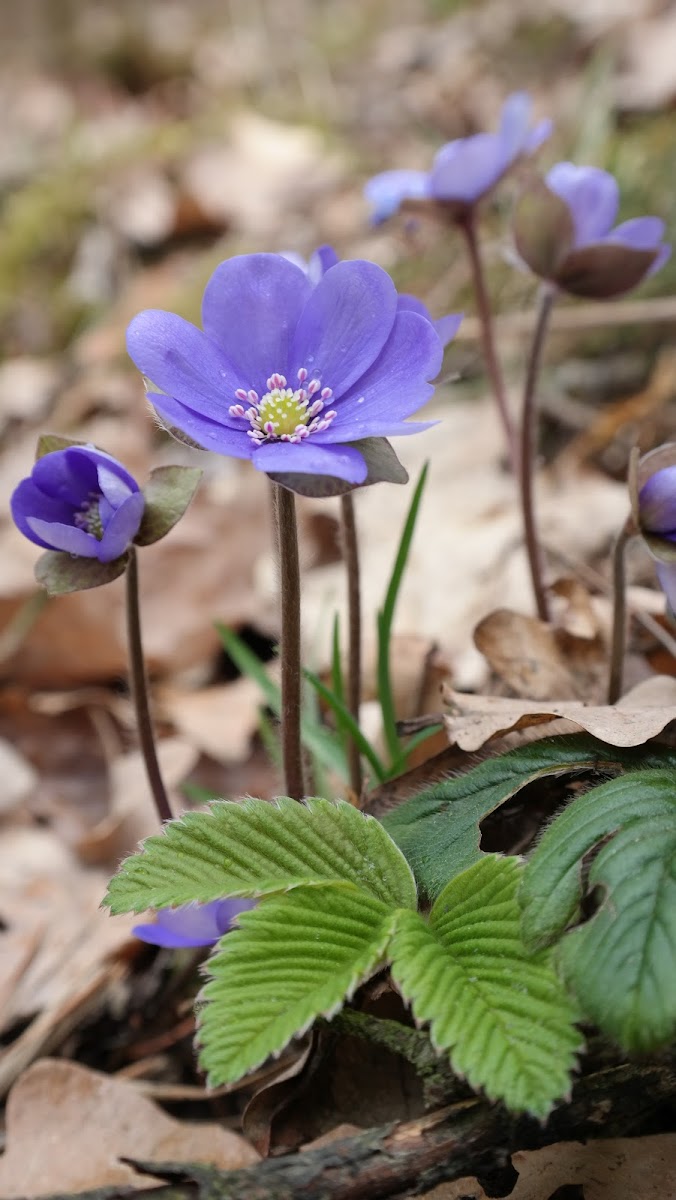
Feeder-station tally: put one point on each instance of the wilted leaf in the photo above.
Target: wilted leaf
(640, 715)
(525, 653)
(68, 1128)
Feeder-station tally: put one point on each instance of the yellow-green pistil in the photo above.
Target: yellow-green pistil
(284, 414)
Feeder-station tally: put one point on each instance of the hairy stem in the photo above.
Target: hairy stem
(139, 690)
(289, 588)
(468, 228)
(617, 644)
(351, 558)
(528, 451)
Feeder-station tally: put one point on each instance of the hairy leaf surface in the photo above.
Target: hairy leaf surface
(498, 1009)
(438, 830)
(255, 847)
(621, 963)
(296, 957)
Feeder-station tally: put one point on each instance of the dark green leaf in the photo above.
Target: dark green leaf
(167, 493)
(60, 573)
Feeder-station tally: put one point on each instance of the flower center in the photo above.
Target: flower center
(89, 517)
(284, 414)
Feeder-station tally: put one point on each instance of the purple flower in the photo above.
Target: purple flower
(288, 372)
(656, 513)
(465, 170)
(192, 924)
(325, 257)
(566, 233)
(79, 500)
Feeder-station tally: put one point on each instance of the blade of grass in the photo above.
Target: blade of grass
(321, 742)
(385, 617)
(415, 740)
(343, 714)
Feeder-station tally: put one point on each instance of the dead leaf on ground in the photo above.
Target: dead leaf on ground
(132, 815)
(68, 1127)
(524, 653)
(640, 715)
(220, 721)
(58, 944)
(642, 1168)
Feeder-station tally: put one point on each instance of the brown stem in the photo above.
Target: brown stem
(138, 681)
(351, 558)
(487, 324)
(528, 449)
(619, 634)
(289, 588)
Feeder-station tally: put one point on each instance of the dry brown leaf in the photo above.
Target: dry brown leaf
(68, 1127)
(642, 1168)
(220, 721)
(132, 814)
(18, 777)
(58, 944)
(524, 652)
(640, 715)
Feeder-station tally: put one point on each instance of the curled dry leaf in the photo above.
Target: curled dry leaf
(640, 715)
(69, 1127)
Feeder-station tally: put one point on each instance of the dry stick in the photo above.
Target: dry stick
(139, 690)
(351, 557)
(468, 228)
(289, 588)
(619, 611)
(528, 445)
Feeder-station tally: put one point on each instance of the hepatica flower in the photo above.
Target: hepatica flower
(566, 233)
(290, 372)
(653, 492)
(192, 924)
(79, 500)
(464, 170)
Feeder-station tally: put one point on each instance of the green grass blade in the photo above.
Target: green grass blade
(385, 617)
(347, 720)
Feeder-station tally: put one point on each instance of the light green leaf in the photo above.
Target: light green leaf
(621, 964)
(498, 1010)
(252, 848)
(438, 830)
(294, 958)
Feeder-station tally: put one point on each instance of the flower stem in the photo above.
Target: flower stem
(617, 644)
(528, 449)
(289, 587)
(351, 557)
(139, 690)
(468, 228)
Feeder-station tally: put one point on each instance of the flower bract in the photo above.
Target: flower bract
(79, 500)
(289, 372)
(566, 233)
(191, 924)
(654, 506)
(464, 170)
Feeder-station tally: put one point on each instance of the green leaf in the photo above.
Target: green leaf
(386, 616)
(294, 958)
(319, 741)
(61, 573)
(498, 1009)
(348, 722)
(255, 847)
(552, 888)
(167, 494)
(621, 964)
(438, 830)
(49, 442)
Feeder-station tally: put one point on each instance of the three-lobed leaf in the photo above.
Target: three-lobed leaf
(497, 1008)
(438, 830)
(255, 847)
(296, 957)
(621, 964)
